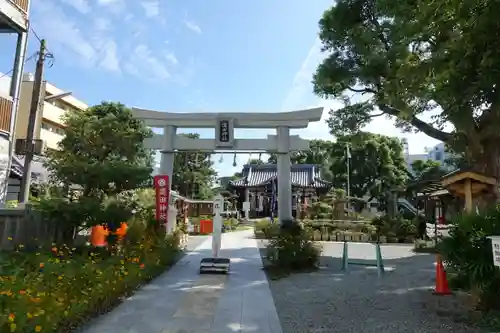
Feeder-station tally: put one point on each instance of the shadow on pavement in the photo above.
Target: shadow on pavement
(182, 300)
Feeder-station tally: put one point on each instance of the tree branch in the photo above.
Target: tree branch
(419, 124)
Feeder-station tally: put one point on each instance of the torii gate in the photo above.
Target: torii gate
(224, 123)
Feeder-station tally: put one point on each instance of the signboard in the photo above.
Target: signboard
(495, 248)
(218, 205)
(246, 206)
(162, 189)
(224, 133)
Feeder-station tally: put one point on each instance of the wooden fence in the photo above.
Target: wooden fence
(23, 226)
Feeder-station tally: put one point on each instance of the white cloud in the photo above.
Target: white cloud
(110, 59)
(171, 58)
(63, 34)
(102, 24)
(151, 8)
(192, 26)
(83, 6)
(114, 6)
(144, 64)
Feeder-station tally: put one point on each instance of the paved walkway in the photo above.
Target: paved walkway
(182, 301)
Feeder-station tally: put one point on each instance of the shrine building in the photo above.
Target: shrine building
(256, 187)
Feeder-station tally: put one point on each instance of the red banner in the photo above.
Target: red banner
(162, 188)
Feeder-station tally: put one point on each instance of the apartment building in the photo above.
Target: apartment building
(13, 20)
(49, 125)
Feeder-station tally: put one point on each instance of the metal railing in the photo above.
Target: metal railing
(6, 105)
(21, 4)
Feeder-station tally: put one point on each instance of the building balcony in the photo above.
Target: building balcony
(51, 139)
(14, 15)
(6, 105)
(53, 113)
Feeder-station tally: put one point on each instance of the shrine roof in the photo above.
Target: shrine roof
(302, 175)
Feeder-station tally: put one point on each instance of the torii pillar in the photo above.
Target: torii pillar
(224, 123)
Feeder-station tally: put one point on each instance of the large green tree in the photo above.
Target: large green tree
(423, 170)
(194, 175)
(377, 164)
(102, 156)
(426, 64)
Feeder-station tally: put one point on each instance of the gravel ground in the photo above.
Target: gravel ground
(359, 301)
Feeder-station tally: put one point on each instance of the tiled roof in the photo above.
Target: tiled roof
(302, 175)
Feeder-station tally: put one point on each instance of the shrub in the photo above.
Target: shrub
(231, 224)
(395, 227)
(265, 229)
(468, 255)
(292, 250)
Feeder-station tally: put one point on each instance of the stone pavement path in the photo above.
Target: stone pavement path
(182, 301)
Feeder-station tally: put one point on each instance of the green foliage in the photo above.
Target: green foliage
(320, 210)
(58, 290)
(377, 163)
(292, 251)
(103, 157)
(194, 174)
(424, 170)
(265, 229)
(102, 151)
(410, 58)
(468, 255)
(12, 204)
(334, 226)
(395, 227)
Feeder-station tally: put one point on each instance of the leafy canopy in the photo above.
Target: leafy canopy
(424, 170)
(377, 163)
(194, 173)
(102, 151)
(103, 156)
(425, 63)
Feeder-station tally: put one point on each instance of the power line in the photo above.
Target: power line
(35, 34)
(49, 55)
(25, 61)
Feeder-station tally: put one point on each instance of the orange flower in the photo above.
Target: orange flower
(38, 328)
(141, 266)
(12, 317)
(42, 265)
(22, 292)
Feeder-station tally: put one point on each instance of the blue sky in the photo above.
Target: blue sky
(210, 56)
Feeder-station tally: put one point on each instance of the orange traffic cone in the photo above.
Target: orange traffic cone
(442, 288)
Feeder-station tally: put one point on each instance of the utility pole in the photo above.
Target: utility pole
(348, 165)
(35, 102)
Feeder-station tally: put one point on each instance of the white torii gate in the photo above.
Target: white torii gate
(224, 123)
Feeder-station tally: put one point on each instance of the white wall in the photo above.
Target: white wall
(4, 84)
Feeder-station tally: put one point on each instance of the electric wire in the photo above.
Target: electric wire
(31, 57)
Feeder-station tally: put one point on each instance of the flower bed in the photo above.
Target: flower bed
(57, 290)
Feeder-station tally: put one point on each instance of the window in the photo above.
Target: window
(51, 128)
(438, 156)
